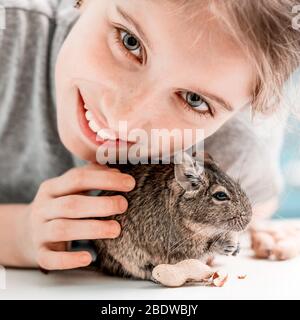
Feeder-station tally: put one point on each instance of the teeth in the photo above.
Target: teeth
(85, 107)
(94, 126)
(107, 134)
(104, 134)
(89, 115)
(92, 123)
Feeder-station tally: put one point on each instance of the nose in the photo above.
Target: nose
(132, 106)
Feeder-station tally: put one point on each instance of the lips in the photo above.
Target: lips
(83, 123)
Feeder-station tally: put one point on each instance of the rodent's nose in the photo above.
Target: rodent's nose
(248, 211)
(246, 218)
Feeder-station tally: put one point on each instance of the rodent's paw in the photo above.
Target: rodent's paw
(154, 280)
(229, 247)
(238, 249)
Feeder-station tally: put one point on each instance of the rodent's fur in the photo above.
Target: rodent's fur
(173, 216)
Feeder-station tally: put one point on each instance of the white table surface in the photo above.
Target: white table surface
(265, 280)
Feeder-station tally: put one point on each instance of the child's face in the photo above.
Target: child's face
(172, 73)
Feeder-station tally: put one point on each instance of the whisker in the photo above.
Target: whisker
(180, 243)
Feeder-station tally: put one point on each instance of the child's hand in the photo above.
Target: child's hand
(55, 213)
(280, 241)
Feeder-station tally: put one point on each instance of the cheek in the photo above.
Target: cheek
(192, 128)
(80, 59)
(215, 123)
(85, 53)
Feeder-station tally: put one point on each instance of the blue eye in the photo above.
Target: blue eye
(196, 102)
(221, 196)
(130, 45)
(130, 42)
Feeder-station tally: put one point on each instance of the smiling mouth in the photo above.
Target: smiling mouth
(94, 129)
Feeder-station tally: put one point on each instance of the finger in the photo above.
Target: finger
(82, 179)
(76, 207)
(67, 230)
(97, 166)
(53, 260)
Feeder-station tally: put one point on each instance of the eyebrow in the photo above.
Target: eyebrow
(137, 26)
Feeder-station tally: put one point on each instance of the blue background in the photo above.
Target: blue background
(290, 199)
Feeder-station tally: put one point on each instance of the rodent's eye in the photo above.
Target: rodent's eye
(221, 196)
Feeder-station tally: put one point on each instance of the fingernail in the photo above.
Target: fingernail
(85, 259)
(116, 231)
(123, 204)
(129, 182)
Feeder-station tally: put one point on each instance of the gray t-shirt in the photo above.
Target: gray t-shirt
(31, 151)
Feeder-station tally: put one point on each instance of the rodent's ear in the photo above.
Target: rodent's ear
(188, 171)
